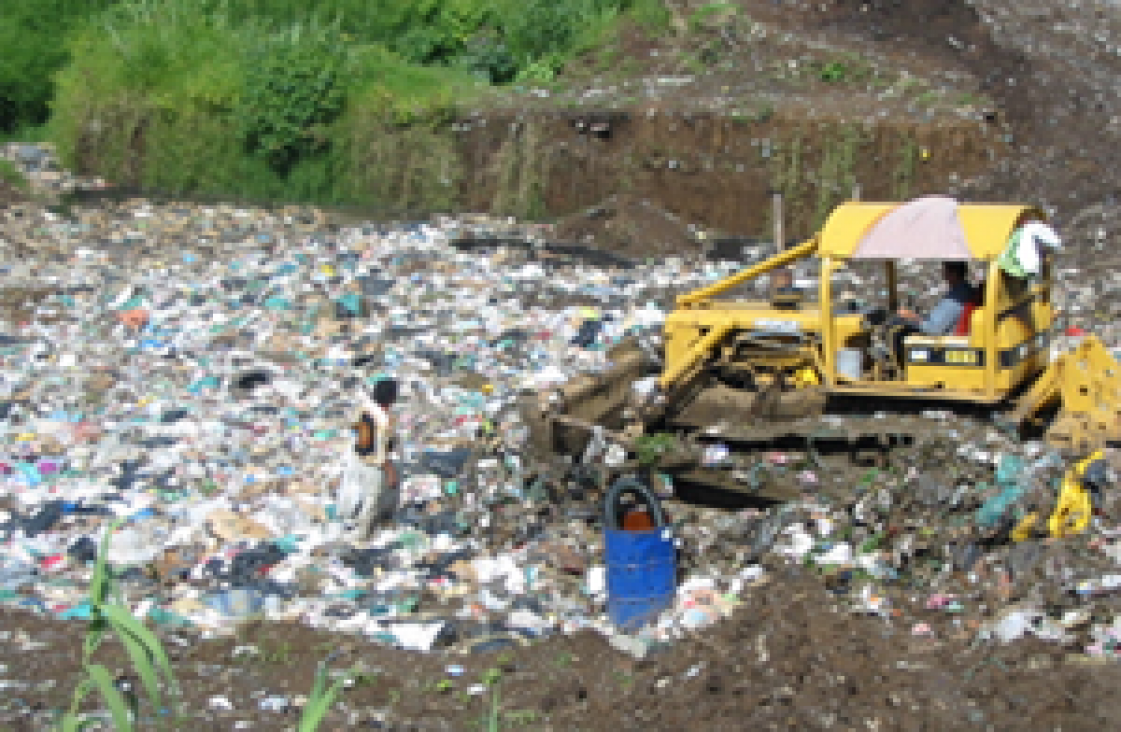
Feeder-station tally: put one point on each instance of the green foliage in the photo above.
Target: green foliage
(492, 722)
(495, 41)
(871, 544)
(523, 165)
(322, 696)
(151, 665)
(11, 175)
(30, 35)
(709, 12)
(845, 68)
(293, 88)
(395, 148)
(837, 171)
(541, 34)
(650, 448)
(834, 71)
(148, 658)
(340, 101)
(903, 174)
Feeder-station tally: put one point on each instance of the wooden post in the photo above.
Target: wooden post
(776, 212)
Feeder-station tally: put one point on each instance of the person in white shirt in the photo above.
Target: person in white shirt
(374, 446)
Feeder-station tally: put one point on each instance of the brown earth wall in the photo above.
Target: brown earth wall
(712, 170)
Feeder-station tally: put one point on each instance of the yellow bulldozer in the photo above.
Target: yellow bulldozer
(744, 372)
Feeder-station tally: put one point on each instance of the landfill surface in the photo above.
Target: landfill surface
(187, 373)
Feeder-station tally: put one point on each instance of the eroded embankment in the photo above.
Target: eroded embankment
(716, 171)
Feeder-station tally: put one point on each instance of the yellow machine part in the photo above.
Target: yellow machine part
(1087, 382)
(805, 377)
(1073, 509)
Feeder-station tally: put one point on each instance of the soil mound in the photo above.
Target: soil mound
(632, 227)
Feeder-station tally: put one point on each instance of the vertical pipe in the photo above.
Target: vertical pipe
(776, 212)
(892, 286)
(992, 290)
(828, 335)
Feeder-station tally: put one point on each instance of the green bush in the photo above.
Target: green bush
(293, 88)
(149, 93)
(31, 34)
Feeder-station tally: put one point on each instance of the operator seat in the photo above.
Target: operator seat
(962, 328)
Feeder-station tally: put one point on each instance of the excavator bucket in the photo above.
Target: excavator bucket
(1086, 383)
(562, 420)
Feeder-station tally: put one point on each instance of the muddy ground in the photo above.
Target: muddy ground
(793, 656)
(788, 659)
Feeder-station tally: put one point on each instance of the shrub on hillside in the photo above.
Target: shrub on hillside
(156, 89)
(293, 88)
(32, 34)
(253, 98)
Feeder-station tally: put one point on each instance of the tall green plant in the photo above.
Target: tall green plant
(143, 648)
(151, 664)
(542, 33)
(322, 696)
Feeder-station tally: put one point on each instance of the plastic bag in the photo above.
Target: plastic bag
(359, 483)
(367, 493)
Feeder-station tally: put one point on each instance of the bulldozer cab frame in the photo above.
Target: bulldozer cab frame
(1008, 339)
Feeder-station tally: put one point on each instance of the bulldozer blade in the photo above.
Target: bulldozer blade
(598, 399)
(1087, 381)
(724, 405)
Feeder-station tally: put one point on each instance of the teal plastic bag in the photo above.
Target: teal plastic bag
(352, 302)
(1011, 489)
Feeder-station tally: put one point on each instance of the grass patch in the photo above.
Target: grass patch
(156, 89)
(523, 164)
(11, 175)
(650, 448)
(837, 172)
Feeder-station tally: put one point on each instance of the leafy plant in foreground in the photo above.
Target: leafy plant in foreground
(143, 648)
(651, 447)
(322, 696)
(150, 662)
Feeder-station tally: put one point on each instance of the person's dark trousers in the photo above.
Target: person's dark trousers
(897, 329)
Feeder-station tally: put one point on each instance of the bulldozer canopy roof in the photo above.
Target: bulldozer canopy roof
(933, 227)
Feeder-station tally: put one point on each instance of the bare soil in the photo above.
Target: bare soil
(790, 658)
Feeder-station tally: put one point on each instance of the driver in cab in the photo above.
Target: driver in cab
(943, 317)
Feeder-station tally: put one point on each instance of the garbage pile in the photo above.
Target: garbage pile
(190, 373)
(185, 377)
(40, 167)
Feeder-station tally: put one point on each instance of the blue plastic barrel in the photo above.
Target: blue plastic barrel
(641, 566)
